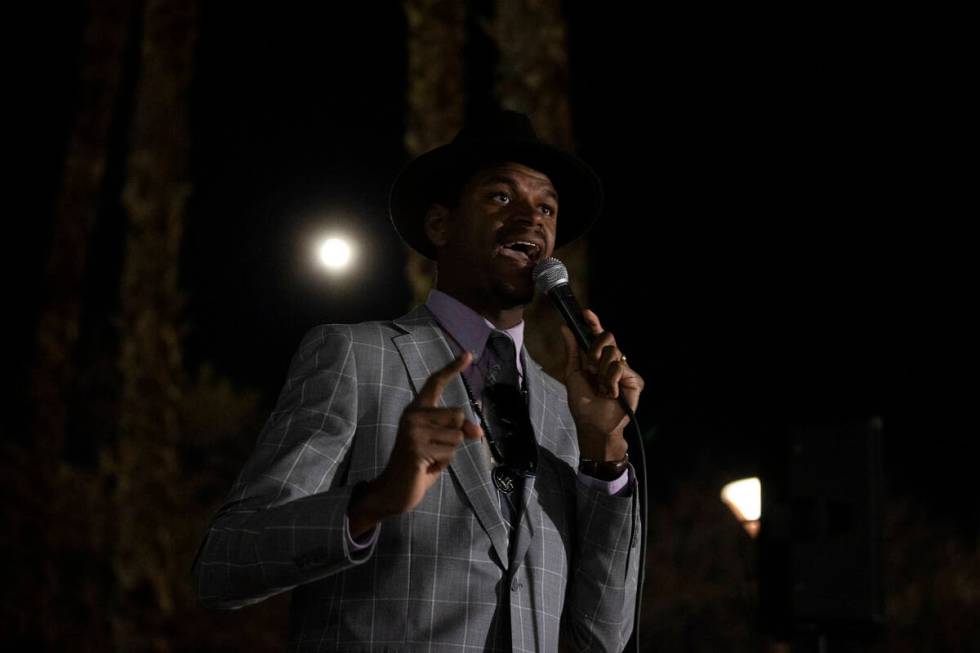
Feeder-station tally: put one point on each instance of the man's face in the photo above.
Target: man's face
(505, 222)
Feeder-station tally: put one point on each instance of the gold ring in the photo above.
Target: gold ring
(623, 360)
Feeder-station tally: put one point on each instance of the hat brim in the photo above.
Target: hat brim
(425, 180)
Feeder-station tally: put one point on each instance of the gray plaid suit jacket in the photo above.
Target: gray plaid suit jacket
(438, 578)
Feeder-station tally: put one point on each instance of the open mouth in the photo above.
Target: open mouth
(523, 252)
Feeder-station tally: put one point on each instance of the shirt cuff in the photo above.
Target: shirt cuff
(365, 541)
(613, 487)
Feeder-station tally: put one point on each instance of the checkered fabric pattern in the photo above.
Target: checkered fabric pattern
(438, 578)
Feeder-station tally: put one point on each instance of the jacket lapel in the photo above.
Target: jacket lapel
(537, 396)
(424, 350)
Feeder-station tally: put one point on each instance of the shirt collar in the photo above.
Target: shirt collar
(468, 328)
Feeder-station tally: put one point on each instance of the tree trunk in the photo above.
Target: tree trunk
(436, 97)
(53, 375)
(148, 560)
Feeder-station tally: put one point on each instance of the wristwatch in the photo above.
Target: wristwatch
(604, 470)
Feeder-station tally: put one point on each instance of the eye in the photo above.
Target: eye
(503, 197)
(547, 210)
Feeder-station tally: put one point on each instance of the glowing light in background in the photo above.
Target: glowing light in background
(744, 498)
(335, 253)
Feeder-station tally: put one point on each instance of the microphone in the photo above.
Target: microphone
(551, 278)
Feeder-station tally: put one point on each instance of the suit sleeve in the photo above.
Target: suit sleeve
(283, 523)
(601, 597)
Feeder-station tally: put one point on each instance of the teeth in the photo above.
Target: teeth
(533, 248)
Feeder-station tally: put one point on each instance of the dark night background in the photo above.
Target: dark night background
(754, 173)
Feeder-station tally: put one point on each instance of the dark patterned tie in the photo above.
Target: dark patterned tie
(501, 388)
(506, 414)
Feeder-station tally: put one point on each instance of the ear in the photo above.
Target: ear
(437, 224)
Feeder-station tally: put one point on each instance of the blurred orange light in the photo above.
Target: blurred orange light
(744, 498)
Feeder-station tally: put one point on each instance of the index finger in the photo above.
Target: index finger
(432, 390)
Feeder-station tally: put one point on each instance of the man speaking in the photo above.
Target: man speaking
(422, 484)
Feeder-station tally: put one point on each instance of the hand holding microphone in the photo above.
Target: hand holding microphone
(603, 391)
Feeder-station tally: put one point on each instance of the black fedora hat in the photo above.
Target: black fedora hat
(498, 137)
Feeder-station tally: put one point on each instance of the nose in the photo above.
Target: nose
(526, 210)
